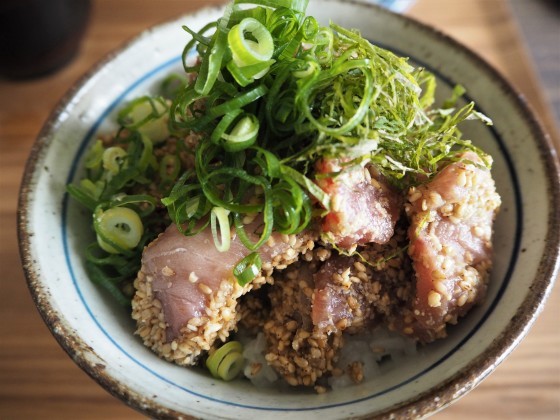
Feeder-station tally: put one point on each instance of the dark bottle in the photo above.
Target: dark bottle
(39, 36)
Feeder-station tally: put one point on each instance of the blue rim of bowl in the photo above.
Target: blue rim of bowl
(85, 142)
(430, 401)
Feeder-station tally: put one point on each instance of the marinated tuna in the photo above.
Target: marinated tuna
(340, 300)
(364, 207)
(450, 241)
(325, 137)
(296, 349)
(186, 293)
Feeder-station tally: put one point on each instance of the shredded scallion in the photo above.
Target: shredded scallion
(267, 91)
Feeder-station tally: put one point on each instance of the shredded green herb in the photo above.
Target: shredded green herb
(319, 91)
(272, 92)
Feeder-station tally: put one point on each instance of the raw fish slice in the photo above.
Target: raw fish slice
(450, 241)
(187, 295)
(364, 208)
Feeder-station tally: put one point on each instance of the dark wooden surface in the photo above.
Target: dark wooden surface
(39, 381)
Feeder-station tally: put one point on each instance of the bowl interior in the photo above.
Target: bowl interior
(100, 335)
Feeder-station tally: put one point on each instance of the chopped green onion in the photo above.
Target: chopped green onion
(147, 115)
(94, 189)
(210, 67)
(323, 48)
(313, 189)
(122, 266)
(231, 366)
(220, 215)
(227, 361)
(243, 135)
(248, 268)
(94, 157)
(274, 92)
(309, 68)
(113, 159)
(224, 124)
(244, 76)
(143, 204)
(139, 111)
(296, 5)
(118, 229)
(245, 51)
(83, 196)
(99, 277)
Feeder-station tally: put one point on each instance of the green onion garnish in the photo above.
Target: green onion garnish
(118, 228)
(248, 268)
(219, 219)
(271, 92)
(148, 115)
(227, 361)
(245, 51)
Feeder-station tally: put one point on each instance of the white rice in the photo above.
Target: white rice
(256, 368)
(377, 351)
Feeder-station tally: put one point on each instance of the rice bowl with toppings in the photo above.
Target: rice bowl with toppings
(342, 401)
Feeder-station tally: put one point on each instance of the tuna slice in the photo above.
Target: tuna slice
(450, 242)
(301, 353)
(187, 294)
(340, 299)
(364, 208)
(356, 293)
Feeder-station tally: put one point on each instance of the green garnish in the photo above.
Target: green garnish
(295, 92)
(248, 268)
(273, 92)
(246, 52)
(219, 218)
(118, 229)
(227, 361)
(147, 115)
(124, 221)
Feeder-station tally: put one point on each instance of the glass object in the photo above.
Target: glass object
(39, 36)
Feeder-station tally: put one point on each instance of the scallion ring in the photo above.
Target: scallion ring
(221, 216)
(248, 268)
(141, 110)
(245, 51)
(248, 74)
(231, 366)
(227, 361)
(224, 124)
(308, 68)
(113, 158)
(93, 189)
(117, 228)
(147, 115)
(243, 134)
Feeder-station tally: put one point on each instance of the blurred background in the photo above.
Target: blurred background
(539, 24)
(47, 45)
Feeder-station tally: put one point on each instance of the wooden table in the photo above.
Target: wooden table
(38, 380)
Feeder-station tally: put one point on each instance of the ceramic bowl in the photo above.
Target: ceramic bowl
(99, 336)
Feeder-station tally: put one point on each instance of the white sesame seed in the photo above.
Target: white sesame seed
(204, 289)
(193, 278)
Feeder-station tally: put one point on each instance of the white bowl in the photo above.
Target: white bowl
(99, 336)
